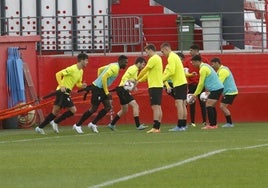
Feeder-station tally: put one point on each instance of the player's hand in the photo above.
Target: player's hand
(84, 85)
(63, 89)
(169, 89)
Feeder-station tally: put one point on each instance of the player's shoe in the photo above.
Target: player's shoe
(39, 130)
(193, 124)
(177, 128)
(141, 127)
(210, 127)
(54, 126)
(154, 130)
(112, 127)
(204, 123)
(93, 127)
(228, 125)
(78, 129)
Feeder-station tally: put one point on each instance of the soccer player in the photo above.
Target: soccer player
(100, 93)
(125, 96)
(67, 79)
(230, 90)
(192, 79)
(211, 82)
(174, 72)
(152, 72)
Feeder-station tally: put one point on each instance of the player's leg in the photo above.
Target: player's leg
(225, 102)
(211, 110)
(155, 100)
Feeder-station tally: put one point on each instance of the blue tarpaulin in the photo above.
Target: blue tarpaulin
(15, 77)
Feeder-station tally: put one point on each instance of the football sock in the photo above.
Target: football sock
(137, 121)
(156, 124)
(100, 115)
(116, 118)
(84, 117)
(211, 115)
(48, 119)
(229, 119)
(64, 116)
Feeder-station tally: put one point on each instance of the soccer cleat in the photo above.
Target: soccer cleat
(112, 127)
(193, 124)
(228, 125)
(78, 129)
(210, 127)
(141, 127)
(154, 130)
(93, 127)
(204, 123)
(54, 126)
(39, 130)
(177, 128)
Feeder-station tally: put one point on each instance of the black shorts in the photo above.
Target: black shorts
(180, 92)
(63, 100)
(215, 94)
(124, 96)
(98, 95)
(228, 99)
(155, 95)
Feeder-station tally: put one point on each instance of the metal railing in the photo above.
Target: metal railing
(102, 34)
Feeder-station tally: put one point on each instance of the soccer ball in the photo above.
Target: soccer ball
(190, 99)
(204, 96)
(129, 85)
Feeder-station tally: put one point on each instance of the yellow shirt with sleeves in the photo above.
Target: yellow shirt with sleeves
(69, 77)
(174, 70)
(130, 74)
(152, 72)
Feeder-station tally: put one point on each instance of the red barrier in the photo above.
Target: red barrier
(249, 71)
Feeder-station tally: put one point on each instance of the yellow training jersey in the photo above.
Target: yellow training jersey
(153, 71)
(69, 77)
(174, 70)
(130, 74)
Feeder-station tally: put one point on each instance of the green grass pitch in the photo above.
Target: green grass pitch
(225, 157)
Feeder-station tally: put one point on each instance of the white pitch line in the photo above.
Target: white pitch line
(195, 158)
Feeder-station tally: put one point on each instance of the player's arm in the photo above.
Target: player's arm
(169, 71)
(80, 84)
(59, 78)
(167, 85)
(101, 69)
(201, 83)
(104, 83)
(143, 73)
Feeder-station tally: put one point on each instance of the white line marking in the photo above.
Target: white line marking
(146, 172)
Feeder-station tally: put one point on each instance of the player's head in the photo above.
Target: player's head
(165, 48)
(150, 49)
(140, 62)
(196, 60)
(122, 61)
(181, 55)
(215, 63)
(194, 50)
(82, 58)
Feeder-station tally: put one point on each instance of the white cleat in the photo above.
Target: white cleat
(39, 130)
(78, 129)
(54, 126)
(93, 127)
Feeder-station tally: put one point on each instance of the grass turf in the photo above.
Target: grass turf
(168, 159)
